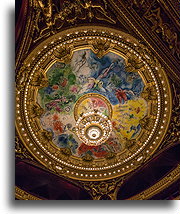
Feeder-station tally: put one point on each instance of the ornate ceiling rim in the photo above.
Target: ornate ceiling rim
(73, 29)
(43, 46)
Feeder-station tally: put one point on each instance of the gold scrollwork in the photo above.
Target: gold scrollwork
(54, 19)
(173, 134)
(39, 80)
(100, 46)
(87, 158)
(146, 123)
(47, 136)
(134, 63)
(159, 26)
(149, 93)
(66, 151)
(21, 78)
(110, 155)
(63, 54)
(99, 189)
(23, 195)
(130, 143)
(36, 110)
(20, 151)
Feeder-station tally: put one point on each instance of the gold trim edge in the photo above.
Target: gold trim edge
(23, 195)
(165, 182)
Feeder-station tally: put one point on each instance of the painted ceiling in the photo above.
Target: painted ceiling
(89, 84)
(95, 103)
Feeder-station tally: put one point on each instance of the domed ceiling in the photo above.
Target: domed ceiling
(93, 103)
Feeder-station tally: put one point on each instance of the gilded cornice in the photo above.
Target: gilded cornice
(23, 195)
(165, 182)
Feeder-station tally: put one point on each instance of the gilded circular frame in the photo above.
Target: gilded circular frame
(60, 47)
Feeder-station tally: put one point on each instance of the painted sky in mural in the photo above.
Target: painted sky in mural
(85, 74)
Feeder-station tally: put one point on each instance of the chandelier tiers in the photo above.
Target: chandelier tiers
(93, 128)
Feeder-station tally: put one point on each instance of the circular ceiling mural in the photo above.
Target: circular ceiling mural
(81, 93)
(94, 103)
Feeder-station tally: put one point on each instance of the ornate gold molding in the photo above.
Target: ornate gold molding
(133, 13)
(23, 195)
(70, 13)
(169, 35)
(99, 189)
(172, 136)
(165, 182)
(20, 150)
